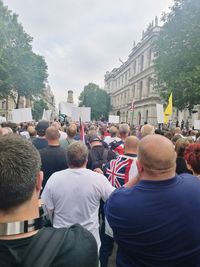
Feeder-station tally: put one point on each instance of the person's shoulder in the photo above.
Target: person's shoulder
(189, 178)
(57, 177)
(79, 248)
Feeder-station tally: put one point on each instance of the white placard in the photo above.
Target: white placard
(46, 115)
(197, 124)
(66, 108)
(81, 112)
(160, 113)
(113, 119)
(2, 119)
(22, 115)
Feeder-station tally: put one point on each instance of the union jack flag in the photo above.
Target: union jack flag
(117, 170)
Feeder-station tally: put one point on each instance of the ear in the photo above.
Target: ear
(139, 166)
(39, 181)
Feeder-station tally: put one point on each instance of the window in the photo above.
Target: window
(134, 67)
(142, 63)
(149, 56)
(140, 89)
(133, 92)
(147, 114)
(3, 104)
(148, 85)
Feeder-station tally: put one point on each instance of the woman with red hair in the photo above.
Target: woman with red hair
(192, 158)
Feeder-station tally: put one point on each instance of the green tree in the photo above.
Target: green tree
(22, 72)
(96, 98)
(178, 59)
(38, 108)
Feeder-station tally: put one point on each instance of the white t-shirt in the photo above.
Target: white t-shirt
(63, 135)
(73, 195)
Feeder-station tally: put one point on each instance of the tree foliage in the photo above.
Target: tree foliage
(22, 72)
(178, 59)
(96, 98)
(38, 108)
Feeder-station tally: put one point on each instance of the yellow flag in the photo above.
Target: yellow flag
(168, 110)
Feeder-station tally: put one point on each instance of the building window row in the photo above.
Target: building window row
(137, 91)
(142, 61)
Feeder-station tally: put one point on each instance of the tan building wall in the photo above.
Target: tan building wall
(132, 81)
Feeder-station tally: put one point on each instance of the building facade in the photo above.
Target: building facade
(8, 104)
(132, 84)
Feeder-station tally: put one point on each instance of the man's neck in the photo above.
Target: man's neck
(130, 152)
(28, 211)
(53, 143)
(158, 176)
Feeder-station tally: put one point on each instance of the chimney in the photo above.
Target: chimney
(70, 98)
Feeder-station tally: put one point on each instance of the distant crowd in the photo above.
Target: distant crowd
(69, 193)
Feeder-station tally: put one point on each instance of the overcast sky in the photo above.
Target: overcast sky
(82, 39)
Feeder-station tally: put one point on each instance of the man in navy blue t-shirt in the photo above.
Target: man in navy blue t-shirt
(157, 222)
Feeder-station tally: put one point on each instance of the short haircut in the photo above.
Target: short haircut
(31, 130)
(180, 146)
(124, 129)
(77, 154)
(113, 131)
(19, 165)
(192, 156)
(52, 133)
(147, 129)
(71, 130)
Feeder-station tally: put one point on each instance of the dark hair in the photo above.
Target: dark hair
(41, 127)
(19, 165)
(192, 156)
(77, 154)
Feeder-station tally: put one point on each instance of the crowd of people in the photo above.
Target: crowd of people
(65, 200)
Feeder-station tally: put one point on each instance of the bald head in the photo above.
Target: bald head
(147, 129)
(56, 124)
(5, 131)
(157, 156)
(131, 145)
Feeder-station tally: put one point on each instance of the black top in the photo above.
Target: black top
(79, 249)
(54, 158)
(181, 166)
(40, 143)
(98, 152)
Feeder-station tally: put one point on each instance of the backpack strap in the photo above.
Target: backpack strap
(105, 155)
(103, 158)
(44, 247)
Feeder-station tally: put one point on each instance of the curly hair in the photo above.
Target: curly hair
(192, 156)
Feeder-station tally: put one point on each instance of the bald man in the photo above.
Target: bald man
(118, 171)
(63, 135)
(155, 222)
(54, 157)
(147, 129)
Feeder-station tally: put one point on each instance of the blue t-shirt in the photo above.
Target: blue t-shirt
(157, 223)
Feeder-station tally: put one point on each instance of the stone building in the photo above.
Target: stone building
(48, 97)
(131, 83)
(8, 104)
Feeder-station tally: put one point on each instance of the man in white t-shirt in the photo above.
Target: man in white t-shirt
(73, 195)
